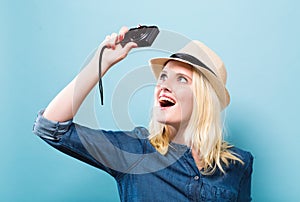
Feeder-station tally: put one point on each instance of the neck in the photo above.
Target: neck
(177, 134)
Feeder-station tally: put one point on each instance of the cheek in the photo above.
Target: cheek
(188, 106)
(156, 92)
(186, 99)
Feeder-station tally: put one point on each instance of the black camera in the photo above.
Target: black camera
(143, 36)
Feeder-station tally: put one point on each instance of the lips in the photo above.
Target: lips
(166, 101)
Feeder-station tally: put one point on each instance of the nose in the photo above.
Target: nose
(165, 87)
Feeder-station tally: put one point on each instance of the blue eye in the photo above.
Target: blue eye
(163, 77)
(182, 79)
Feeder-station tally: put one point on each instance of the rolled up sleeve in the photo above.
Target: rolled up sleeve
(52, 130)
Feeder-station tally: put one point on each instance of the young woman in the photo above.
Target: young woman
(182, 156)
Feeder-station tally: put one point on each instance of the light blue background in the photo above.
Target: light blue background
(44, 44)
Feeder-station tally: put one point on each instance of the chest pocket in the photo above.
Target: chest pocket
(210, 193)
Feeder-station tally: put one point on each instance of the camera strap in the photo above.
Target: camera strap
(100, 72)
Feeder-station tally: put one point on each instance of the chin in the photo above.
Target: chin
(168, 121)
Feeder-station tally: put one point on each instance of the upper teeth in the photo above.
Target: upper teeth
(166, 99)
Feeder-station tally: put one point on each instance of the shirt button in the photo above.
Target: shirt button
(196, 177)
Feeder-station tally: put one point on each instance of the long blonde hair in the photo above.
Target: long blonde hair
(204, 132)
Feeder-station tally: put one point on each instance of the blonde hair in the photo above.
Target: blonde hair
(204, 132)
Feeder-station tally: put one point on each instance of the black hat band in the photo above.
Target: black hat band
(191, 59)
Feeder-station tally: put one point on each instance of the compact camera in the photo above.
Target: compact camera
(143, 36)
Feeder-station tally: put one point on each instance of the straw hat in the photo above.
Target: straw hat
(203, 59)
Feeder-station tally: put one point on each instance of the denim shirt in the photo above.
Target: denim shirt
(142, 173)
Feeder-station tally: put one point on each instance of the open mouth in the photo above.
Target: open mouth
(165, 101)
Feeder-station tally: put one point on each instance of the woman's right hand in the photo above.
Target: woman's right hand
(66, 104)
(114, 52)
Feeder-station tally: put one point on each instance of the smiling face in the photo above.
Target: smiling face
(174, 95)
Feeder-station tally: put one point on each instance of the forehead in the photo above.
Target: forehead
(178, 67)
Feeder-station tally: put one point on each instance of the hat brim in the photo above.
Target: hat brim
(157, 64)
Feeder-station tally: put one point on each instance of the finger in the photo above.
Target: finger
(126, 49)
(123, 30)
(113, 35)
(122, 33)
(130, 46)
(113, 40)
(106, 41)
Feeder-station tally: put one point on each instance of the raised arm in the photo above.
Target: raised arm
(67, 102)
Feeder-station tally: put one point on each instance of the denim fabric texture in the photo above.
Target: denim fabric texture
(143, 174)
